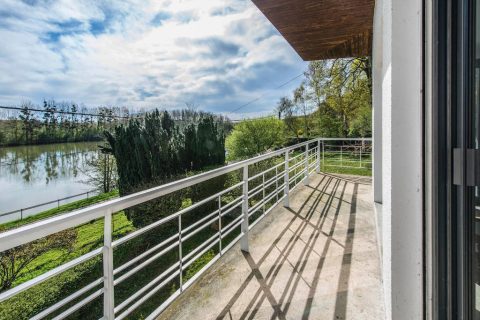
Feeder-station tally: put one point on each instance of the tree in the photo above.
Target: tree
(252, 137)
(155, 151)
(340, 91)
(102, 172)
(28, 121)
(15, 261)
(301, 99)
(287, 108)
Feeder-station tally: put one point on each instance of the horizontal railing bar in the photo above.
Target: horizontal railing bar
(231, 223)
(47, 275)
(63, 302)
(213, 214)
(145, 263)
(266, 212)
(298, 164)
(225, 212)
(232, 202)
(148, 295)
(138, 293)
(295, 177)
(258, 175)
(173, 216)
(144, 254)
(200, 228)
(263, 201)
(231, 227)
(201, 253)
(31, 232)
(198, 248)
(78, 305)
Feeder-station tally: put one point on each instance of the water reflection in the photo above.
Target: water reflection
(34, 174)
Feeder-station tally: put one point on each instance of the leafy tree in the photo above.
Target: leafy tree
(252, 137)
(28, 121)
(155, 151)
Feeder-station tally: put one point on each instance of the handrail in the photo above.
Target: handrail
(283, 182)
(40, 229)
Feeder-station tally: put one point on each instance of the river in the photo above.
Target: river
(30, 175)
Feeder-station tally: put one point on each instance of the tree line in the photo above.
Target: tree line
(57, 122)
(333, 100)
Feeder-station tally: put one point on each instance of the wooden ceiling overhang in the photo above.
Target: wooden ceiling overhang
(323, 29)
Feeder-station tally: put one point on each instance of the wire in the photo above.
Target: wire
(262, 96)
(65, 112)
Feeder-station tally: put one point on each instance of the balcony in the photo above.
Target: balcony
(317, 259)
(281, 240)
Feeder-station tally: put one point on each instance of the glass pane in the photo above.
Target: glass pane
(475, 217)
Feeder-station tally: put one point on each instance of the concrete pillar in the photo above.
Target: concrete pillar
(402, 141)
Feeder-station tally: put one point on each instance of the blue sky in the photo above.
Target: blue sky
(216, 54)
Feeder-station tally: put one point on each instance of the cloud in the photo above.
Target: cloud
(217, 54)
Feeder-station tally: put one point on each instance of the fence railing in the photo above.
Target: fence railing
(20, 214)
(238, 209)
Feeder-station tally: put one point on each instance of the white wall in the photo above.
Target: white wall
(399, 78)
(377, 117)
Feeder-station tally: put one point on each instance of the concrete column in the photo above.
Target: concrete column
(402, 135)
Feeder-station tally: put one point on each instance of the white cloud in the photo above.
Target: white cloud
(218, 54)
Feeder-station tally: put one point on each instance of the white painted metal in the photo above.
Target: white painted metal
(302, 168)
(307, 162)
(108, 295)
(244, 240)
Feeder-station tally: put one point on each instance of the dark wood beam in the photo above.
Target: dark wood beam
(323, 29)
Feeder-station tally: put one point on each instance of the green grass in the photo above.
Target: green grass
(90, 237)
(60, 210)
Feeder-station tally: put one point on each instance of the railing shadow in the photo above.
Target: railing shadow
(325, 192)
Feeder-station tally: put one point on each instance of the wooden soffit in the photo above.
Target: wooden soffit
(323, 29)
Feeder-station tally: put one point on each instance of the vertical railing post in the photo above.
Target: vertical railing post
(361, 147)
(244, 240)
(318, 156)
(108, 287)
(21, 214)
(341, 155)
(286, 201)
(276, 182)
(180, 252)
(306, 181)
(220, 223)
(263, 192)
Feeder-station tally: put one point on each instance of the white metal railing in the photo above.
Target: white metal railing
(271, 186)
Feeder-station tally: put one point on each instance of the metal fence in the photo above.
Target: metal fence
(22, 213)
(238, 208)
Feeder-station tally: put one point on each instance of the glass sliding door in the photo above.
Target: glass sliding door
(474, 217)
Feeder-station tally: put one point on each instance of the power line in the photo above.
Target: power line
(65, 112)
(262, 96)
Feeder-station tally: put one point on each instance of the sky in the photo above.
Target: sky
(214, 54)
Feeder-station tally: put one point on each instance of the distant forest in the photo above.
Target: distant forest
(53, 122)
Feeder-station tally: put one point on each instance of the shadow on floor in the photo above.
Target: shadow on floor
(325, 201)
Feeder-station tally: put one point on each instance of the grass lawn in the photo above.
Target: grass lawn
(90, 237)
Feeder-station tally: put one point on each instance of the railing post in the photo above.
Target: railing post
(361, 147)
(108, 294)
(180, 252)
(306, 181)
(244, 240)
(220, 223)
(318, 156)
(286, 201)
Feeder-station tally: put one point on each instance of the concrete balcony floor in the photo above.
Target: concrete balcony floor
(317, 259)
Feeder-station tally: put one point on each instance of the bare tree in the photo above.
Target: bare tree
(14, 262)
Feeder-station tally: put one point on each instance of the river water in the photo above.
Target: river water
(30, 175)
